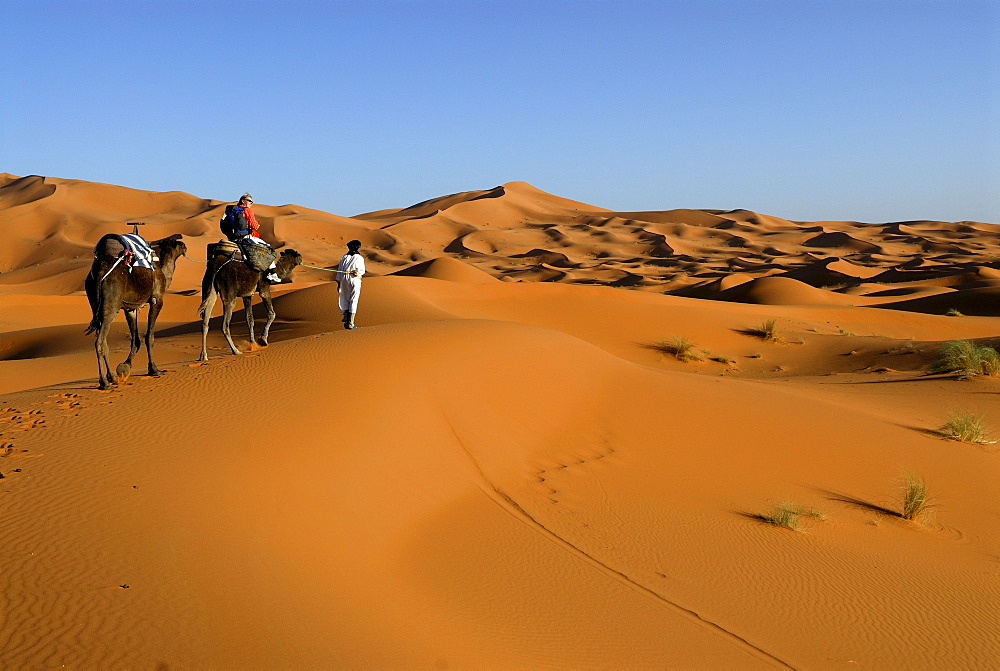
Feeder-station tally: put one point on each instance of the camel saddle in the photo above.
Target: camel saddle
(258, 257)
(225, 247)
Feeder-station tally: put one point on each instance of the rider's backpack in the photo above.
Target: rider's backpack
(234, 223)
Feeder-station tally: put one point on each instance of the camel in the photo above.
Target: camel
(230, 279)
(111, 287)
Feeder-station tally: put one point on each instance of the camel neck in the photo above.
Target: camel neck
(168, 269)
(284, 267)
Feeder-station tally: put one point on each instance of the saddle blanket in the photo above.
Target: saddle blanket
(143, 256)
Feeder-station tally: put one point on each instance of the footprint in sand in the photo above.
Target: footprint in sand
(540, 474)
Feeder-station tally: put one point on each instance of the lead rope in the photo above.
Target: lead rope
(305, 265)
(216, 273)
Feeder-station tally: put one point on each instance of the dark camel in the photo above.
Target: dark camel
(112, 287)
(230, 279)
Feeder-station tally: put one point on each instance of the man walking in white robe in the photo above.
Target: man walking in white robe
(351, 267)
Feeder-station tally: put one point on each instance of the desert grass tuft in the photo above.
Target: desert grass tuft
(954, 312)
(916, 502)
(768, 331)
(812, 512)
(782, 515)
(678, 347)
(966, 427)
(966, 359)
(787, 515)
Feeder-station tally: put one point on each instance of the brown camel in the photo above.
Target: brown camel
(229, 278)
(111, 287)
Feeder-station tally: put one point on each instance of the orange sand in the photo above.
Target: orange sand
(498, 470)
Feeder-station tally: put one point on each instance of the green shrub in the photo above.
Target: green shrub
(916, 502)
(787, 515)
(966, 359)
(766, 331)
(679, 347)
(966, 427)
(783, 515)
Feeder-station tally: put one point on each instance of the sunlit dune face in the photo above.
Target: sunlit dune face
(561, 437)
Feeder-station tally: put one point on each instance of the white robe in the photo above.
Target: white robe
(350, 285)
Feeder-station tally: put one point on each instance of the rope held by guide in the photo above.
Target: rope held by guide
(305, 265)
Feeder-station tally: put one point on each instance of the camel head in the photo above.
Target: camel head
(287, 261)
(291, 257)
(171, 248)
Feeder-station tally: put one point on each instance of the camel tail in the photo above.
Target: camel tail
(207, 290)
(204, 301)
(95, 298)
(97, 317)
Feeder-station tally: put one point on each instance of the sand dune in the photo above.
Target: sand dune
(501, 474)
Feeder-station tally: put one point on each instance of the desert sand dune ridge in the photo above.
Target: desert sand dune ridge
(677, 250)
(510, 464)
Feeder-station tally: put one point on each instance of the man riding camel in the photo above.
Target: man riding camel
(240, 226)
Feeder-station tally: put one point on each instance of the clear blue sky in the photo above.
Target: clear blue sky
(874, 110)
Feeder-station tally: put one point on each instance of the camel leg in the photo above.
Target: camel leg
(209, 303)
(125, 367)
(99, 347)
(155, 305)
(270, 317)
(227, 313)
(248, 309)
(107, 380)
(109, 302)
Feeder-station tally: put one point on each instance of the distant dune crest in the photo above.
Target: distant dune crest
(516, 232)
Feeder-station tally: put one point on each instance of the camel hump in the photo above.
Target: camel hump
(109, 247)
